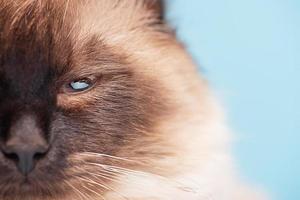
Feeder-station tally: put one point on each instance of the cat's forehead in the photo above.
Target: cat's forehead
(49, 34)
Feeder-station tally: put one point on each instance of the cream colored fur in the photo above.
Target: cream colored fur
(202, 168)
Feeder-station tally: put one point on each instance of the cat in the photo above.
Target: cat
(100, 101)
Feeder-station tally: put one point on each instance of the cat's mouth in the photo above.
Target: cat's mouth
(33, 186)
(26, 186)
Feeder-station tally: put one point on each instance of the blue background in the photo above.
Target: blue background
(250, 52)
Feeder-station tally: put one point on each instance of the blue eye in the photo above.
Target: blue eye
(80, 85)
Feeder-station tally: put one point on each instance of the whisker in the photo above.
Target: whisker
(106, 187)
(94, 192)
(103, 175)
(108, 156)
(126, 172)
(91, 181)
(112, 172)
(77, 191)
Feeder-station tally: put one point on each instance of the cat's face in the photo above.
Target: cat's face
(74, 109)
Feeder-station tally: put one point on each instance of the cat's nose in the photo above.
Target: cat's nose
(25, 156)
(25, 144)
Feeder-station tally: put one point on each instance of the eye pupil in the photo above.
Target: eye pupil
(80, 85)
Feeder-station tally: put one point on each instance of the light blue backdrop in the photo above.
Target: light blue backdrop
(250, 52)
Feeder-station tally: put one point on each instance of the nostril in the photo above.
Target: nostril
(40, 154)
(11, 156)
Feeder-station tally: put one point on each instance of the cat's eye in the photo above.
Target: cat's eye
(80, 85)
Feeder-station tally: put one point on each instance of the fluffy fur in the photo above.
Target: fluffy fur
(149, 129)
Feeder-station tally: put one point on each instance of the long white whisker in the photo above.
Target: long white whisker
(125, 171)
(94, 182)
(104, 173)
(99, 195)
(108, 156)
(104, 186)
(77, 191)
(105, 176)
(113, 173)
